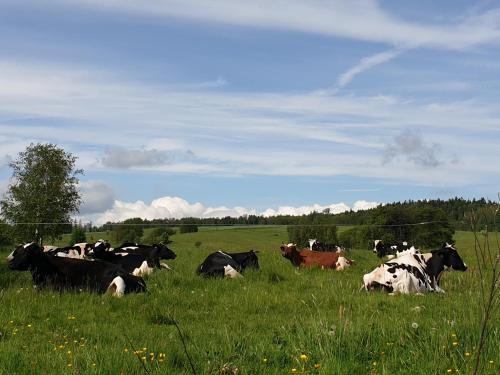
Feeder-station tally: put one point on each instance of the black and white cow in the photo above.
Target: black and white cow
(316, 245)
(73, 274)
(382, 249)
(414, 272)
(67, 252)
(136, 264)
(160, 251)
(220, 264)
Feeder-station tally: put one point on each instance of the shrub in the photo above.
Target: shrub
(157, 235)
(188, 228)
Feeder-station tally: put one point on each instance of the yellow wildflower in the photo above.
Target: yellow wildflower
(303, 357)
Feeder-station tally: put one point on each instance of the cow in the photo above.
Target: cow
(382, 249)
(136, 264)
(62, 273)
(315, 245)
(414, 272)
(220, 264)
(85, 247)
(307, 258)
(156, 250)
(67, 252)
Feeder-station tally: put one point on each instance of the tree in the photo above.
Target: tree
(130, 231)
(77, 235)
(42, 193)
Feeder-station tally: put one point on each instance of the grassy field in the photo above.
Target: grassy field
(276, 321)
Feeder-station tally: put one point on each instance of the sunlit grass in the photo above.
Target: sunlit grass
(270, 322)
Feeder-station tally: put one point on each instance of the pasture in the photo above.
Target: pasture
(276, 321)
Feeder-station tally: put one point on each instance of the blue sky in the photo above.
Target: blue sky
(180, 108)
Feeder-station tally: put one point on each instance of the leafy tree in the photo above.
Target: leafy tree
(77, 235)
(131, 231)
(42, 193)
(5, 234)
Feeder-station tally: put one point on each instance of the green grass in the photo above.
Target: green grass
(260, 324)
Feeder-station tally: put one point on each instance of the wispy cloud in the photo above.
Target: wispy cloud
(366, 64)
(355, 19)
(205, 131)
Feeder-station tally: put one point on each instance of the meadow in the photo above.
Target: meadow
(278, 320)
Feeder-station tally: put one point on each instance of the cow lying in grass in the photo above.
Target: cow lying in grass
(62, 273)
(160, 251)
(307, 258)
(231, 265)
(414, 272)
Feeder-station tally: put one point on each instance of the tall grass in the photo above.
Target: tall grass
(270, 322)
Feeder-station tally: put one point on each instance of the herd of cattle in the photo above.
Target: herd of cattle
(100, 268)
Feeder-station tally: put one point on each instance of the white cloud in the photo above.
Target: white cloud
(175, 207)
(97, 197)
(367, 63)
(354, 19)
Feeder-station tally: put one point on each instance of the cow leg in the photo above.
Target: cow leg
(166, 266)
(117, 287)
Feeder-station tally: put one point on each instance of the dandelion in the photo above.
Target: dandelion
(303, 357)
(69, 351)
(491, 362)
(69, 365)
(29, 326)
(294, 370)
(11, 322)
(264, 360)
(93, 364)
(125, 350)
(414, 325)
(449, 370)
(455, 343)
(374, 363)
(467, 354)
(317, 365)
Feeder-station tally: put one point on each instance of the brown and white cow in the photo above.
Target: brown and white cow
(307, 258)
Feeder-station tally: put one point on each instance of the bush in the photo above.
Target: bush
(188, 228)
(77, 235)
(300, 234)
(157, 235)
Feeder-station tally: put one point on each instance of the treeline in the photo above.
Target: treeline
(456, 211)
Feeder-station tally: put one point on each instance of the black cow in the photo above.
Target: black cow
(220, 264)
(67, 252)
(66, 273)
(155, 250)
(136, 264)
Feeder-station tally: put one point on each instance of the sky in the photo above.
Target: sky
(226, 107)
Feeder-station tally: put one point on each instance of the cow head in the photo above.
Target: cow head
(379, 248)
(164, 252)
(450, 258)
(288, 250)
(20, 259)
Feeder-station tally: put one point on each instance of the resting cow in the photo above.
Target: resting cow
(316, 245)
(66, 273)
(391, 251)
(414, 272)
(308, 258)
(220, 264)
(136, 264)
(160, 251)
(67, 252)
